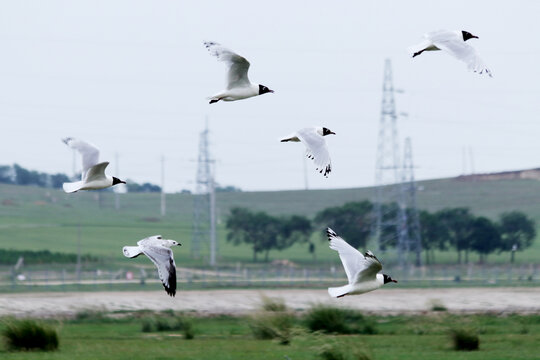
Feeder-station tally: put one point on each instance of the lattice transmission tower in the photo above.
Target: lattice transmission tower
(413, 240)
(387, 170)
(204, 203)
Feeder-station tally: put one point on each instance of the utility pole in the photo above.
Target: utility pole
(163, 204)
(387, 187)
(204, 207)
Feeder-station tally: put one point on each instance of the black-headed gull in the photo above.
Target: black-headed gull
(362, 270)
(454, 43)
(238, 84)
(159, 251)
(93, 174)
(316, 148)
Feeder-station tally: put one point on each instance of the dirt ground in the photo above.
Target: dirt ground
(395, 301)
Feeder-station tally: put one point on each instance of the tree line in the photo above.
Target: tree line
(17, 175)
(448, 229)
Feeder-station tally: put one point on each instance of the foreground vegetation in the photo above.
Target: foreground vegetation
(95, 335)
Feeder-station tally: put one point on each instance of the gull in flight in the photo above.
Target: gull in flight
(159, 251)
(362, 270)
(454, 43)
(238, 85)
(316, 149)
(93, 174)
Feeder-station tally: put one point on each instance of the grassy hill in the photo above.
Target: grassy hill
(37, 218)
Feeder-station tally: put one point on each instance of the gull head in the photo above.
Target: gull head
(325, 131)
(116, 180)
(388, 279)
(173, 243)
(263, 90)
(467, 35)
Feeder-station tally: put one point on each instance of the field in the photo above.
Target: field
(37, 218)
(120, 336)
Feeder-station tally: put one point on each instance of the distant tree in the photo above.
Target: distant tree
(434, 235)
(517, 232)
(145, 187)
(27, 177)
(228, 188)
(295, 229)
(352, 221)
(57, 180)
(265, 232)
(458, 226)
(6, 174)
(484, 237)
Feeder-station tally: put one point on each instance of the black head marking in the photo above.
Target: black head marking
(116, 180)
(263, 90)
(467, 35)
(388, 279)
(326, 131)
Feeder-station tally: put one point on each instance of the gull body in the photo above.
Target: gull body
(238, 85)
(316, 149)
(453, 43)
(158, 250)
(93, 174)
(362, 270)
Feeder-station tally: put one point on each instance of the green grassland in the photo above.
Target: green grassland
(397, 337)
(38, 218)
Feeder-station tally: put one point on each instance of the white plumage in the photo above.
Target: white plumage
(316, 149)
(362, 270)
(454, 43)
(158, 250)
(93, 174)
(238, 84)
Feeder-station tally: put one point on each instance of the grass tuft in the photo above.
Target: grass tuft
(331, 319)
(29, 335)
(334, 352)
(465, 339)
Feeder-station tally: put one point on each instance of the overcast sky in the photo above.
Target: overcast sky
(132, 77)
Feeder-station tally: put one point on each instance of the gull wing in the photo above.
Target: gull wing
(372, 266)
(238, 65)
(162, 257)
(89, 152)
(316, 149)
(96, 172)
(352, 259)
(453, 43)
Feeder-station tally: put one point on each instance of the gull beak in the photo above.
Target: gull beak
(394, 281)
(179, 244)
(333, 133)
(122, 182)
(475, 37)
(272, 91)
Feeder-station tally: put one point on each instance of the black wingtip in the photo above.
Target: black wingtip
(330, 233)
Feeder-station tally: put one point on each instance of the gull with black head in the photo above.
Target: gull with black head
(238, 84)
(362, 270)
(93, 174)
(453, 43)
(316, 149)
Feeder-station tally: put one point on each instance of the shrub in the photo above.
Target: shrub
(336, 320)
(272, 325)
(30, 335)
(334, 352)
(270, 304)
(165, 324)
(148, 325)
(437, 305)
(465, 339)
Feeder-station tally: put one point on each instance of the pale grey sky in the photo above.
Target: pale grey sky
(132, 77)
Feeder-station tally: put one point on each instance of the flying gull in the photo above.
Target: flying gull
(454, 43)
(93, 174)
(238, 85)
(316, 149)
(362, 270)
(159, 251)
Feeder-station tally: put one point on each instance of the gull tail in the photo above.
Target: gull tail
(131, 251)
(72, 186)
(339, 291)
